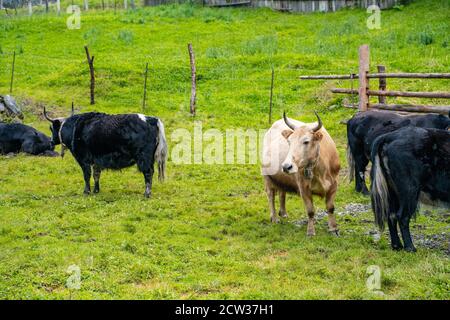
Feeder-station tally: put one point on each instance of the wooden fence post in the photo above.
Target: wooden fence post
(125, 4)
(91, 70)
(58, 6)
(86, 5)
(132, 4)
(46, 6)
(145, 88)
(12, 73)
(364, 65)
(271, 96)
(382, 84)
(30, 8)
(193, 79)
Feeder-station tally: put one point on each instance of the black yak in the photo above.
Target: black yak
(100, 141)
(407, 165)
(17, 137)
(365, 127)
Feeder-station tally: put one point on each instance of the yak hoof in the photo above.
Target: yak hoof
(147, 195)
(283, 214)
(410, 249)
(96, 190)
(397, 247)
(86, 193)
(274, 220)
(334, 232)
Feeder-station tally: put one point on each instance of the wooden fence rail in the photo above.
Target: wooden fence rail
(379, 75)
(436, 95)
(364, 92)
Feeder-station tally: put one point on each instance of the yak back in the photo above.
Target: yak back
(369, 125)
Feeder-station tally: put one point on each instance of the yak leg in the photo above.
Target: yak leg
(361, 163)
(329, 199)
(395, 240)
(145, 165)
(271, 198)
(270, 191)
(96, 174)
(148, 177)
(406, 235)
(282, 211)
(305, 190)
(87, 178)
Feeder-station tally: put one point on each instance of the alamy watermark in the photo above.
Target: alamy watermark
(374, 20)
(73, 22)
(373, 282)
(74, 280)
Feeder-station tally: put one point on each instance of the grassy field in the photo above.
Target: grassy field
(206, 232)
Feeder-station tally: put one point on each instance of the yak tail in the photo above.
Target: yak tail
(161, 151)
(351, 164)
(380, 188)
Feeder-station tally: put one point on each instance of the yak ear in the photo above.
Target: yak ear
(287, 133)
(318, 136)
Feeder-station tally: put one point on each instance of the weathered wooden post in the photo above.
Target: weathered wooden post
(132, 4)
(58, 6)
(382, 84)
(145, 88)
(1, 4)
(125, 4)
(364, 66)
(271, 96)
(30, 8)
(91, 70)
(12, 73)
(193, 79)
(46, 6)
(86, 5)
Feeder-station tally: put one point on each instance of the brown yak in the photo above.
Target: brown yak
(300, 158)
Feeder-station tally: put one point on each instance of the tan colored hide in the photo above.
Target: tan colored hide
(324, 173)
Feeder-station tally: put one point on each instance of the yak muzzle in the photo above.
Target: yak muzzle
(287, 167)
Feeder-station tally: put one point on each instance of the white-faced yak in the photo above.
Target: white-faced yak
(300, 158)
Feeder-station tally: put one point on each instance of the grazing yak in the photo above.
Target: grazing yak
(300, 158)
(407, 165)
(365, 127)
(17, 137)
(104, 141)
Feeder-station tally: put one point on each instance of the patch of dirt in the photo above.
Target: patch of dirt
(434, 241)
(36, 108)
(439, 241)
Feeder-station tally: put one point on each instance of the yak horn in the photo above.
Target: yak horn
(319, 125)
(288, 122)
(47, 117)
(73, 111)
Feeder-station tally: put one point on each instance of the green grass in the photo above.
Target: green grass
(206, 231)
